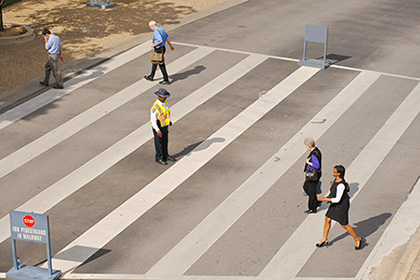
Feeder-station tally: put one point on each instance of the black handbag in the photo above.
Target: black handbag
(311, 175)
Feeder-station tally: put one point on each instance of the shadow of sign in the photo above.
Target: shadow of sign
(77, 253)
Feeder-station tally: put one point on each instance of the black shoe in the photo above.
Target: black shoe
(171, 158)
(319, 203)
(360, 245)
(165, 82)
(149, 78)
(58, 87)
(310, 211)
(44, 84)
(161, 161)
(322, 244)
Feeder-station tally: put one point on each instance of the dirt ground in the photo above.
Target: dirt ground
(82, 29)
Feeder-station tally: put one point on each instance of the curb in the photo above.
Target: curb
(22, 93)
(28, 36)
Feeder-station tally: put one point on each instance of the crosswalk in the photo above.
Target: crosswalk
(194, 253)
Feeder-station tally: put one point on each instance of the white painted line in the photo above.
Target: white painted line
(119, 219)
(89, 276)
(96, 166)
(51, 95)
(200, 239)
(288, 261)
(71, 127)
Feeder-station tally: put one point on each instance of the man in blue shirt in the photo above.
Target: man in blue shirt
(53, 46)
(160, 38)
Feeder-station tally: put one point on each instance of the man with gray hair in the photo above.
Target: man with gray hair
(159, 40)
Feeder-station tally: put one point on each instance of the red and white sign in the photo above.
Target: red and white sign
(29, 221)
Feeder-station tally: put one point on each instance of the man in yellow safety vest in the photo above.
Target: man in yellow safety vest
(160, 118)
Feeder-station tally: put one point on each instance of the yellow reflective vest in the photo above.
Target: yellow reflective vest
(164, 115)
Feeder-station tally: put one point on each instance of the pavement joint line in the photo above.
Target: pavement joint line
(51, 95)
(98, 276)
(67, 185)
(122, 217)
(40, 145)
(188, 251)
(397, 233)
(288, 260)
(297, 60)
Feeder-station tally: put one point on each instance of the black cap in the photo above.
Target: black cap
(45, 31)
(163, 93)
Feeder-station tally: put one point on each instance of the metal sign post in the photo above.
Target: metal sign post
(315, 34)
(34, 228)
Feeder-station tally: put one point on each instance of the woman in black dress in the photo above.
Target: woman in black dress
(339, 207)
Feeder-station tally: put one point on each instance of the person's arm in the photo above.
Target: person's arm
(153, 121)
(170, 45)
(61, 53)
(337, 198)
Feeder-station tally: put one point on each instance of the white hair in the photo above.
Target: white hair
(310, 142)
(152, 23)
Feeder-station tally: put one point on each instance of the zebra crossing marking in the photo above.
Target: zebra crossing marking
(202, 237)
(288, 261)
(71, 127)
(99, 164)
(101, 233)
(51, 95)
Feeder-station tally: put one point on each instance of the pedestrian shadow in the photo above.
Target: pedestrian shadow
(199, 146)
(184, 75)
(366, 227)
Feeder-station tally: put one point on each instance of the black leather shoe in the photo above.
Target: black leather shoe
(171, 158)
(322, 244)
(44, 84)
(161, 161)
(165, 82)
(148, 78)
(58, 87)
(310, 211)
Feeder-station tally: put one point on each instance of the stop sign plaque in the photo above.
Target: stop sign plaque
(28, 221)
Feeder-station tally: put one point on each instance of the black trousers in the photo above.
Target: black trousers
(161, 66)
(310, 188)
(161, 143)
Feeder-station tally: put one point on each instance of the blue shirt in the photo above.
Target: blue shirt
(159, 34)
(53, 44)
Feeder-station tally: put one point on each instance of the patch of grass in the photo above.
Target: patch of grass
(10, 2)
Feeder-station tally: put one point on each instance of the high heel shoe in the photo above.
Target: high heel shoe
(322, 244)
(360, 244)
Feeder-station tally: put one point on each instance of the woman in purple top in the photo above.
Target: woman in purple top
(312, 162)
(339, 207)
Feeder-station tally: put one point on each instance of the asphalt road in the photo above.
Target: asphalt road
(231, 207)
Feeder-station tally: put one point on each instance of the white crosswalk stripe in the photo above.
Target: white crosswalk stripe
(38, 102)
(288, 261)
(200, 239)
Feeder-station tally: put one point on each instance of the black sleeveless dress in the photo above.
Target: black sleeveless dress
(339, 211)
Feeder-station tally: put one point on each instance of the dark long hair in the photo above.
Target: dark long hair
(341, 170)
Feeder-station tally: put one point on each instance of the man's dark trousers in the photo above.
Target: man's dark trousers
(161, 143)
(161, 66)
